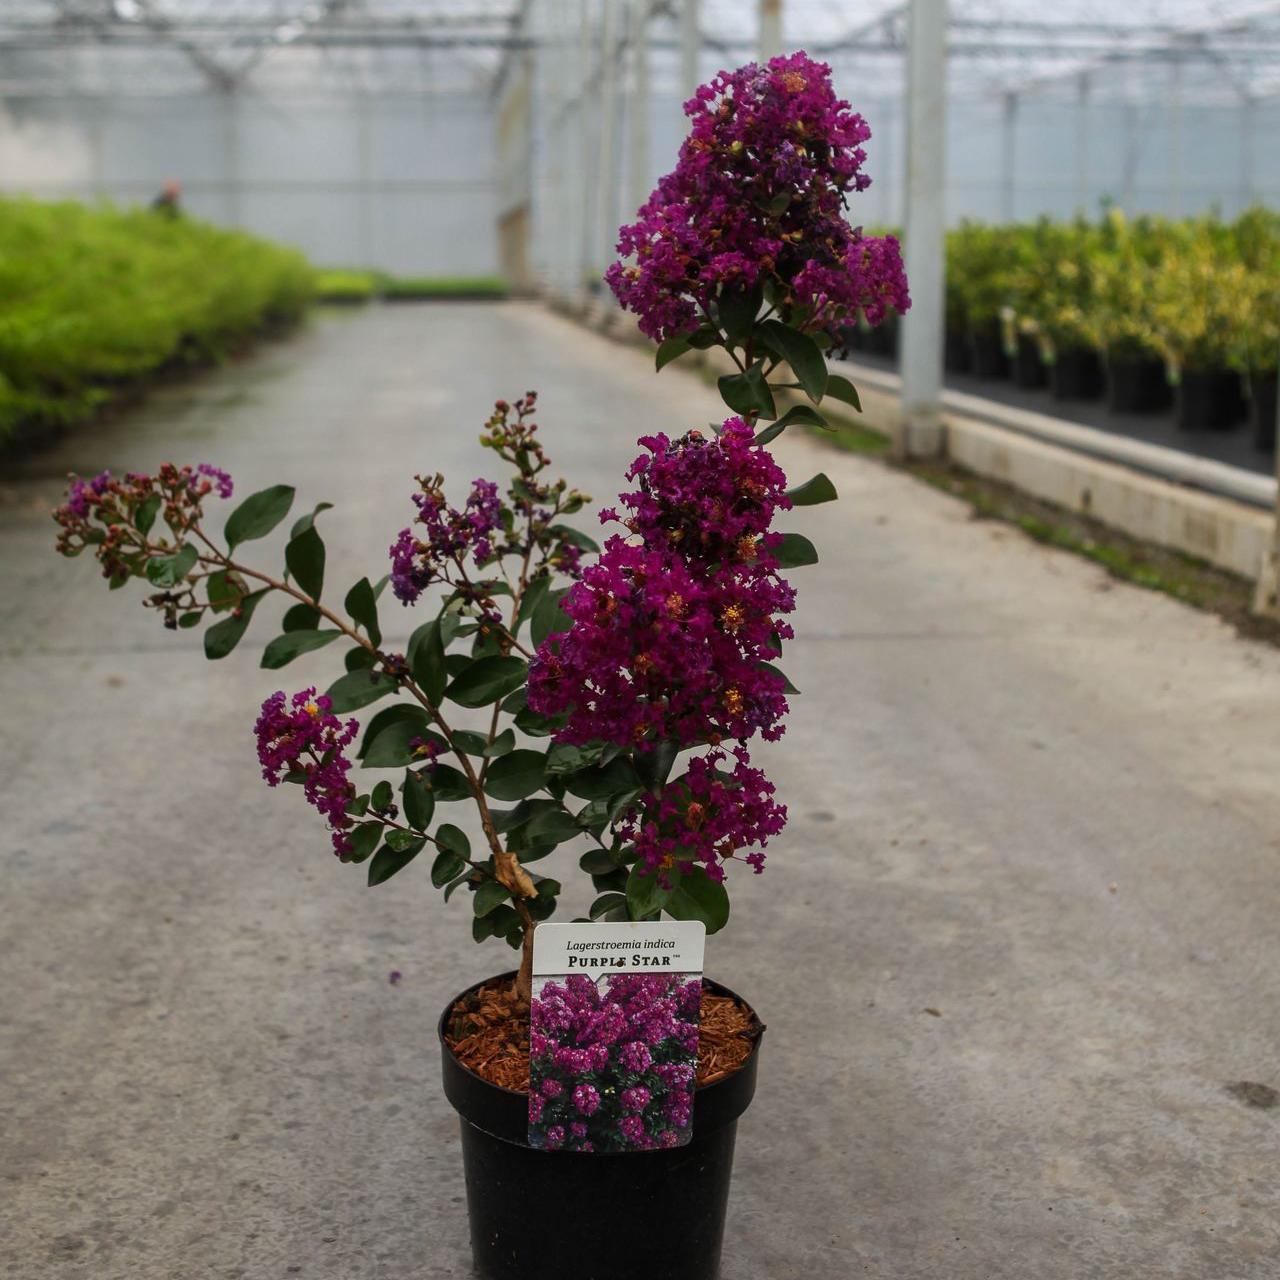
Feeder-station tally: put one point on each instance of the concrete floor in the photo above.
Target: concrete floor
(1015, 946)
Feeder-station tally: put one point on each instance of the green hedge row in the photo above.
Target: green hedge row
(93, 299)
(347, 286)
(1200, 293)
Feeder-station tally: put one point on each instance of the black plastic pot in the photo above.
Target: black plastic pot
(1028, 367)
(1209, 400)
(957, 357)
(989, 359)
(1076, 374)
(559, 1215)
(1264, 388)
(1137, 385)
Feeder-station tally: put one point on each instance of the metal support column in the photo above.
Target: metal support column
(638, 182)
(1008, 156)
(770, 29)
(1084, 107)
(921, 432)
(610, 56)
(690, 48)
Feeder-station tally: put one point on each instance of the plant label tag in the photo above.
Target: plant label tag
(613, 1035)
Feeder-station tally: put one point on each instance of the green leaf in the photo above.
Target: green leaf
(456, 884)
(145, 516)
(698, 897)
(670, 349)
(812, 492)
(305, 558)
(451, 837)
(736, 309)
(283, 649)
(223, 636)
(168, 571)
(362, 605)
(301, 617)
(489, 896)
(575, 537)
(305, 522)
(606, 903)
(801, 353)
(258, 514)
(448, 783)
(787, 686)
(748, 393)
(486, 680)
(225, 590)
(654, 765)
(840, 388)
(548, 618)
(401, 840)
(389, 715)
(603, 781)
(532, 597)
(471, 742)
(419, 801)
(645, 895)
(553, 827)
(516, 775)
(565, 757)
(426, 661)
(387, 861)
(798, 415)
(357, 689)
(364, 840)
(358, 658)
(447, 866)
(796, 550)
(597, 862)
(380, 797)
(502, 745)
(391, 748)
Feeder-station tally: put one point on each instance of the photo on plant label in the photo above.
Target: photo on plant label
(612, 1061)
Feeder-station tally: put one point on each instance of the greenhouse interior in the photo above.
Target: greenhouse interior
(280, 280)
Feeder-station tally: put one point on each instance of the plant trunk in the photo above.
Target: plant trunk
(524, 976)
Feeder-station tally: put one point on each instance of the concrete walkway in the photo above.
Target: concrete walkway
(1019, 939)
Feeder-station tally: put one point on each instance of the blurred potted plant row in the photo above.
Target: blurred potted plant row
(1148, 312)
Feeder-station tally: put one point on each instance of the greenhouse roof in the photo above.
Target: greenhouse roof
(1226, 48)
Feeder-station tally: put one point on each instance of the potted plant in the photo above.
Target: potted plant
(1257, 236)
(978, 271)
(1198, 312)
(566, 692)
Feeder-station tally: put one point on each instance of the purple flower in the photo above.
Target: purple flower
(586, 1100)
(635, 1099)
(671, 633)
(635, 1057)
(304, 737)
(420, 558)
(632, 1128)
(221, 480)
(758, 197)
(555, 1137)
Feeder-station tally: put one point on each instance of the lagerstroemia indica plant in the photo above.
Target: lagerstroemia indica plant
(615, 688)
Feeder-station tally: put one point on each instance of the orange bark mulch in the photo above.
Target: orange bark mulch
(489, 1034)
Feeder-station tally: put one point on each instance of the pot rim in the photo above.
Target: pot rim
(757, 1033)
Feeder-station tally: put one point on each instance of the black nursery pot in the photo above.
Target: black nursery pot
(1264, 387)
(1028, 367)
(1137, 386)
(989, 359)
(562, 1215)
(1209, 400)
(1076, 374)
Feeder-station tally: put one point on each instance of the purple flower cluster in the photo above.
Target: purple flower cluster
(104, 512)
(707, 816)
(448, 535)
(670, 631)
(613, 1069)
(758, 197)
(304, 741)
